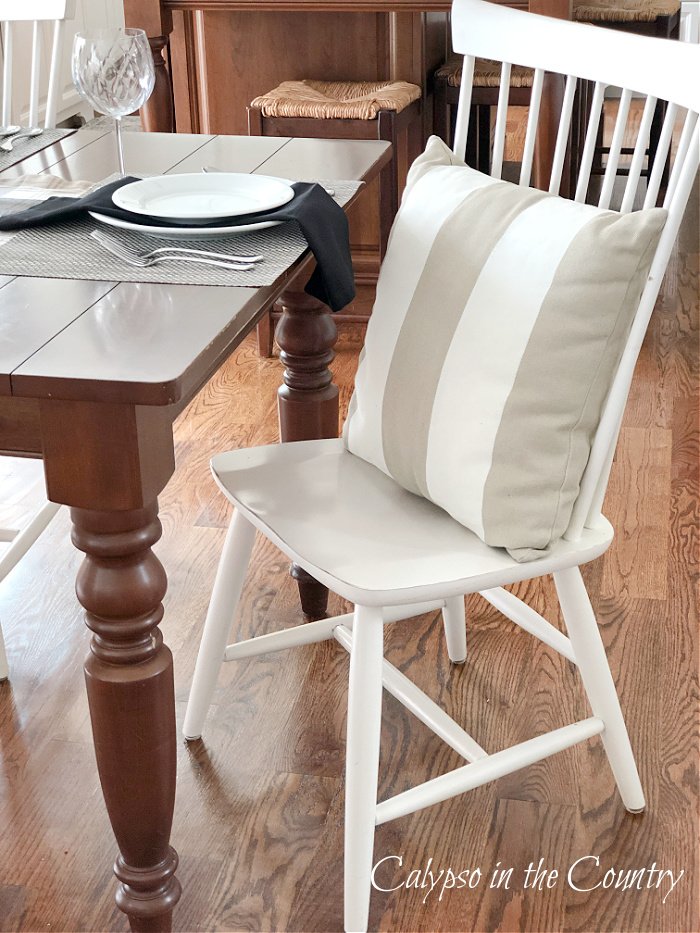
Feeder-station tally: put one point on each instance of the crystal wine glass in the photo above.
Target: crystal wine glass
(113, 70)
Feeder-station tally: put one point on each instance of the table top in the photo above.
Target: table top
(148, 344)
(313, 6)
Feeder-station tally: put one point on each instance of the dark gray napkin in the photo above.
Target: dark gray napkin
(323, 223)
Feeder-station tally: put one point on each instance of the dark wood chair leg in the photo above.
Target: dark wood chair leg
(441, 113)
(388, 179)
(471, 154)
(484, 138)
(255, 127)
(654, 138)
(387, 206)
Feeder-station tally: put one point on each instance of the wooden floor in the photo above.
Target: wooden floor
(258, 820)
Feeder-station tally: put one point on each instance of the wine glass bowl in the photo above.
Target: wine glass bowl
(113, 70)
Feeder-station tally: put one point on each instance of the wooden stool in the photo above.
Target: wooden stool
(659, 18)
(341, 110)
(487, 77)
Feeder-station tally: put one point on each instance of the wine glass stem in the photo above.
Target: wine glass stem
(120, 147)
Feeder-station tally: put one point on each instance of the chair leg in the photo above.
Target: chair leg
(471, 152)
(441, 114)
(26, 537)
(388, 179)
(362, 762)
(484, 135)
(599, 685)
(455, 622)
(265, 334)
(387, 207)
(227, 590)
(4, 669)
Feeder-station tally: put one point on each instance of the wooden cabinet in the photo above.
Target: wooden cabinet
(223, 53)
(221, 60)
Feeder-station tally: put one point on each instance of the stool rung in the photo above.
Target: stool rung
(487, 769)
(422, 707)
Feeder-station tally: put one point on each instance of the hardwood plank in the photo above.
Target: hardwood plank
(533, 834)
(638, 564)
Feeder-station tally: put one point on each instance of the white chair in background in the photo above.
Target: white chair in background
(690, 21)
(339, 517)
(15, 14)
(19, 541)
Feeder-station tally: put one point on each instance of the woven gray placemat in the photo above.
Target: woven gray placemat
(66, 251)
(27, 147)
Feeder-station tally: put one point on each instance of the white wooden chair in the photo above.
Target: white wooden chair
(350, 526)
(19, 540)
(14, 14)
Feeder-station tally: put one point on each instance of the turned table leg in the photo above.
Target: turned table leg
(129, 676)
(308, 399)
(158, 113)
(109, 461)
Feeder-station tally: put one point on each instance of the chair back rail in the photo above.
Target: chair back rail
(658, 70)
(35, 12)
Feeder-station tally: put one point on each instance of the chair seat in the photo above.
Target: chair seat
(336, 100)
(623, 11)
(364, 536)
(487, 73)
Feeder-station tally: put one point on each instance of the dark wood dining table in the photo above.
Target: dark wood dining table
(92, 376)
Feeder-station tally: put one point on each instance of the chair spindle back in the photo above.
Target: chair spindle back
(14, 14)
(587, 57)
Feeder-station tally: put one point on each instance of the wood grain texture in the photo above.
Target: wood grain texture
(258, 815)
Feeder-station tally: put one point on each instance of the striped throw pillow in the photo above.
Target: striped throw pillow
(500, 317)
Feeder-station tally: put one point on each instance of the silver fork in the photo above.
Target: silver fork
(25, 134)
(165, 253)
(172, 252)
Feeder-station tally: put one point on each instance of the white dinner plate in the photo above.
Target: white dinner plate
(211, 196)
(181, 233)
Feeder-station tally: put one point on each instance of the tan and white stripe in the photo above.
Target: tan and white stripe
(500, 316)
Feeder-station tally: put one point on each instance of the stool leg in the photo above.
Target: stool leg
(388, 179)
(597, 680)
(470, 156)
(441, 114)
(265, 335)
(362, 762)
(484, 133)
(255, 127)
(654, 135)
